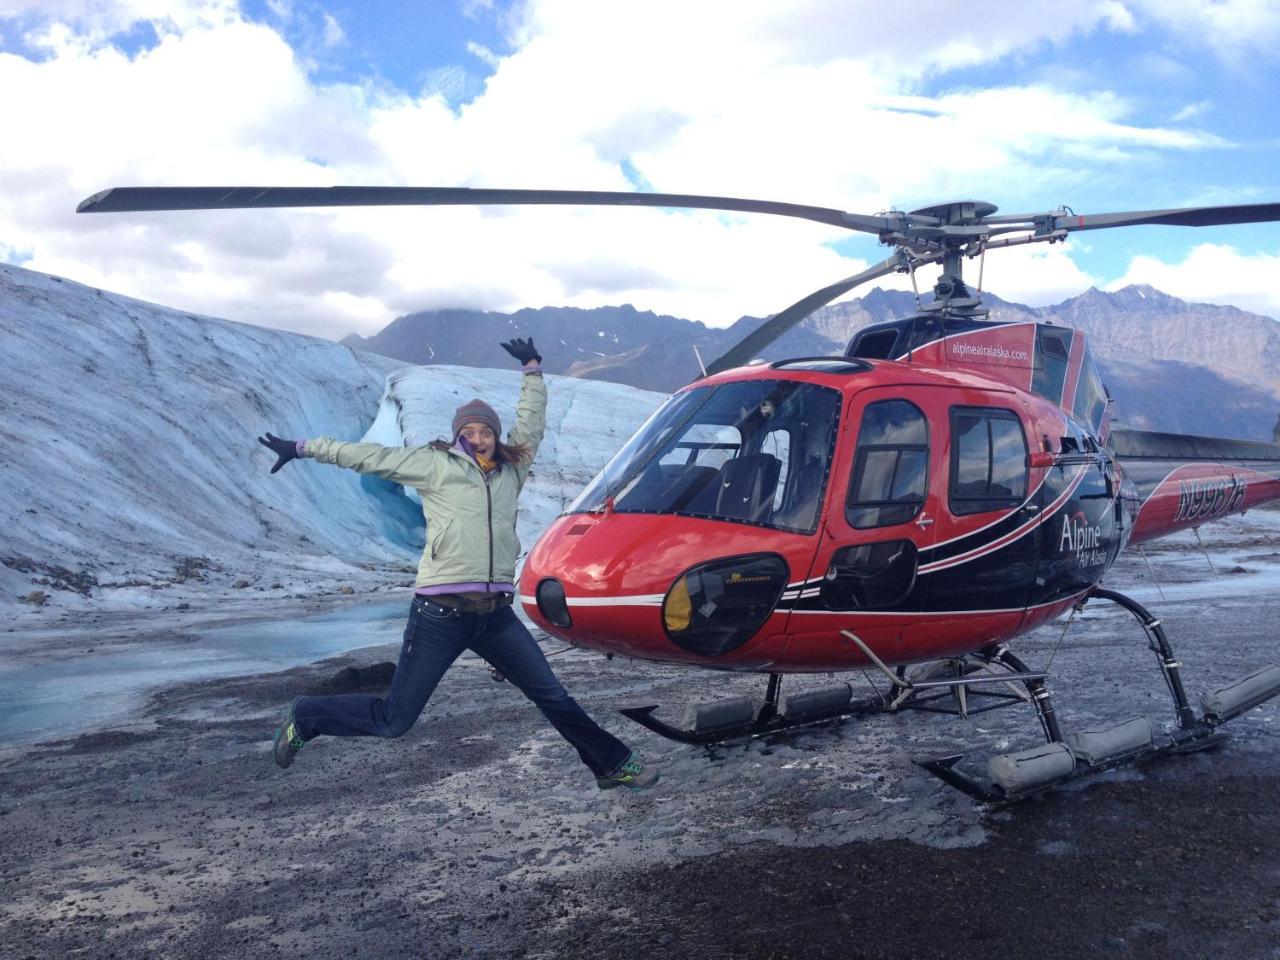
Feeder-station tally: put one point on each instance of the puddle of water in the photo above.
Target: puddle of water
(62, 698)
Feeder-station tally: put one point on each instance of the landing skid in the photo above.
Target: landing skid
(1065, 759)
(757, 727)
(944, 768)
(987, 680)
(960, 689)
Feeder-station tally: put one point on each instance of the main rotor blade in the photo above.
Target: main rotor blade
(781, 322)
(1181, 217)
(134, 199)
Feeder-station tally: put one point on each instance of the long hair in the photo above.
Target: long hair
(512, 453)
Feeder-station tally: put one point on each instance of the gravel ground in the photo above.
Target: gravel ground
(174, 835)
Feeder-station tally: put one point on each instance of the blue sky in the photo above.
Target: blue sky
(1101, 105)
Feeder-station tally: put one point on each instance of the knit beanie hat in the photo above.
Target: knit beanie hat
(476, 411)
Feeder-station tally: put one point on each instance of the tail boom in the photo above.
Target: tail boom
(1184, 481)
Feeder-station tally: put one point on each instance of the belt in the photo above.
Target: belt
(454, 601)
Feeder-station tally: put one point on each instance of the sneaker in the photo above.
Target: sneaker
(633, 773)
(288, 740)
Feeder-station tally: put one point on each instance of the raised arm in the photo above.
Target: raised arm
(531, 408)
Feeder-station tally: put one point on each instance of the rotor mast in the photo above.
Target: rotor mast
(957, 230)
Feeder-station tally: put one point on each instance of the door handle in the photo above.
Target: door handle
(924, 521)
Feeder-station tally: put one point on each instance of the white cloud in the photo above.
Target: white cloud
(1212, 273)
(1037, 275)
(700, 98)
(1192, 110)
(946, 34)
(97, 20)
(334, 35)
(483, 53)
(1235, 30)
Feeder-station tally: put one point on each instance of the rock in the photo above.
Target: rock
(347, 590)
(38, 597)
(241, 584)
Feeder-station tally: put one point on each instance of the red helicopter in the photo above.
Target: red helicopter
(948, 484)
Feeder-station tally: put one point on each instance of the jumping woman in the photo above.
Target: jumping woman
(465, 586)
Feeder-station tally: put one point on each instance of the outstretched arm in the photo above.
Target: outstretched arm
(410, 466)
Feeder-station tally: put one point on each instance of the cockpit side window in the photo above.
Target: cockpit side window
(890, 467)
(1091, 395)
(1053, 355)
(988, 460)
(755, 452)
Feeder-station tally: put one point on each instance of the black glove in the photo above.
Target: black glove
(286, 450)
(523, 350)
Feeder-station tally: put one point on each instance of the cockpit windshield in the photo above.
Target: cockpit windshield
(752, 452)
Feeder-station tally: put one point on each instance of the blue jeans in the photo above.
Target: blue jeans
(435, 637)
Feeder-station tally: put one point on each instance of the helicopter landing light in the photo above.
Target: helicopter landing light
(552, 603)
(716, 607)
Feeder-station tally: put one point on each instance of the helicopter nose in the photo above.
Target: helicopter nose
(662, 587)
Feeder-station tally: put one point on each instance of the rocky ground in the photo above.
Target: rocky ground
(174, 835)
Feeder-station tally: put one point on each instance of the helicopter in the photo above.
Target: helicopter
(908, 508)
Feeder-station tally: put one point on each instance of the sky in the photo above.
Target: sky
(1099, 105)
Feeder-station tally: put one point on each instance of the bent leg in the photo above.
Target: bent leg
(433, 639)
(507, 645)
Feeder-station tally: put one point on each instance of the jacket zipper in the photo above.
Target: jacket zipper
(488, 496)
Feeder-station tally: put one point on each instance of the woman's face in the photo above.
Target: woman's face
(481, 438)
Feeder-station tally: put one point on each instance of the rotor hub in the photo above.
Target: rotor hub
(958, 212)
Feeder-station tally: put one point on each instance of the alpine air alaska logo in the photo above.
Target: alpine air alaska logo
(1082, 540)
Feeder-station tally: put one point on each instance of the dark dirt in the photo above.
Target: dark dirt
(1171, 867)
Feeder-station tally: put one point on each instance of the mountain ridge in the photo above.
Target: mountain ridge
(1150, 344)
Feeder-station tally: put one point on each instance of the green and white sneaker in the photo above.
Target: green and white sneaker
(633, 773)
(288, 740)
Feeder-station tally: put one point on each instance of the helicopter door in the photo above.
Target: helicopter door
(881, 515)
(977, 576)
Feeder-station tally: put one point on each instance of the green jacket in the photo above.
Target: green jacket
(471, 518)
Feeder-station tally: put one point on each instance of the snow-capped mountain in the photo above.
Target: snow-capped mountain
(130, 474)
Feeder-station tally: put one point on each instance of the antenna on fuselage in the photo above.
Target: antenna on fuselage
(701, 366)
